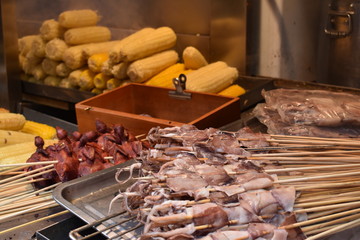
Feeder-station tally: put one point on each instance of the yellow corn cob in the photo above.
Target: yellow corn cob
(96, 91)
(165, 78)
(52, 81)
(11, 121)
(51, 29)
(114, 53)
(78, 18)
(55, 49)
(119, 70)
(101, 47)
(106, 68)
(49, 66)
(25, 43)
(73, 57)
(4, 110)
(193, 59)
(9, 153)
(65, 83)
(100, 81)
(39, 129)
(38, 73)
(86, 80)
(84, 35)
(113, 83)
(159, 40)
(74, 77)
(143, 69)
(30, 62)
(211, 78)
(95, 61)
(232, 91)
(62, 70)
(38, 47)
(8, 137)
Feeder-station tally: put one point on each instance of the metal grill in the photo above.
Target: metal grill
(115, 226)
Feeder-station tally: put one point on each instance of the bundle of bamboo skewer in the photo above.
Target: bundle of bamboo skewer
(325, 171)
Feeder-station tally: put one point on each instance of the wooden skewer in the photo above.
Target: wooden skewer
(24, 205)
(311, 168)
(314, 138)
(47, 204)
(25, 174)
(35, 221)
(325, 202)
(335, 229)
(317, 142)
(328, 207)
(27, 164)
(355, 158)
(5, 172)
(316, 177)
(327, 223)
(327, 212)
(327, 194)
(22, 183)
(26, 177)
(29, 194)
(305, 153)
(321, 219)
(319, 230)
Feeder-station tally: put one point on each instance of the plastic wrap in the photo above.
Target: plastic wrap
(284, 113)
(314, 107)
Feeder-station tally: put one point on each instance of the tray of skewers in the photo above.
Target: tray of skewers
(213, 184)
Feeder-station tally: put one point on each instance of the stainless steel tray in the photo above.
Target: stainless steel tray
(89, 198)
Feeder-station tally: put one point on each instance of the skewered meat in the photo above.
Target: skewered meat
(190, 191)
(82, 154)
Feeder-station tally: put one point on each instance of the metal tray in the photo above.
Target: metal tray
(89, 198)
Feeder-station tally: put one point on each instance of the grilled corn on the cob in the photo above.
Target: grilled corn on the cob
(96, 61)
(49, 66)
(11, 121)
(84, 35)
(165, 77)
(100, 80)
(78, 18)
(143, 69)
(193, 59)
(51, 29)
(161, 39)
(38, 47)
(211, 78)
(86, 80)
(119, 70)
(55, 49)
(114, 53)
(62, 70)
(232, 91)
(39, 129)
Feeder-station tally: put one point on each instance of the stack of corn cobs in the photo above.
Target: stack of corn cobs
(17, 136)
(74, 52)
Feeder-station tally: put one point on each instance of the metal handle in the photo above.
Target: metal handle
(335, 33)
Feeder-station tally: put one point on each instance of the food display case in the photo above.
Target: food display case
(165, 163)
